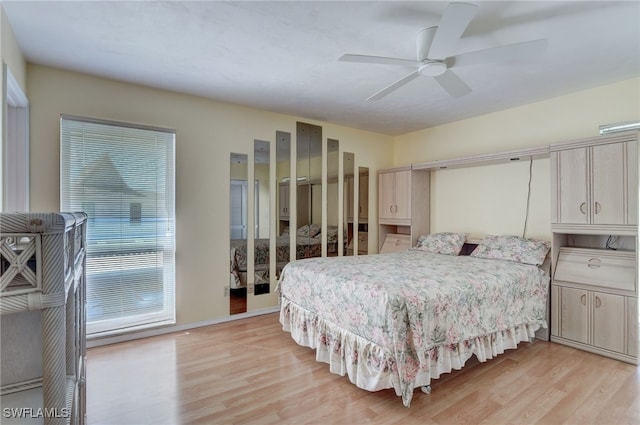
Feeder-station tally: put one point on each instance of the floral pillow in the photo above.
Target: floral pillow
(308, 230)
(447, 243)
(512, 248)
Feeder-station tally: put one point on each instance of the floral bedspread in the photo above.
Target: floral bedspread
(397, 320)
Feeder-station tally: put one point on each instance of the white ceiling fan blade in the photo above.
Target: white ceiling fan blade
(454, 21)
(423, 42)
(452, 84)
(378, 59)
(401, 82)
(516, 51)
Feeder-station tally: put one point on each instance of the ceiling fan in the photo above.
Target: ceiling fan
(435, 43)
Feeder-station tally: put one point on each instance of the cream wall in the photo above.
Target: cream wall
(206, 133)
(492, 199)
(479, 200)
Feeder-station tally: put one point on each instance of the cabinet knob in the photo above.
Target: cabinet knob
(582, 205)
(594, 263)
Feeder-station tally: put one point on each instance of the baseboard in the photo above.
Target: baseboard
(98, 341)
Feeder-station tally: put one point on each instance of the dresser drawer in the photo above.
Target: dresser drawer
(395, 243)
(608, 269)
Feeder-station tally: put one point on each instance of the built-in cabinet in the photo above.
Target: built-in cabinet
(596, 185)
(403, 203)
(594, 294)
(394, 194)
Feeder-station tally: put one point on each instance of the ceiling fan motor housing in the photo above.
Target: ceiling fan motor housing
(432, 68)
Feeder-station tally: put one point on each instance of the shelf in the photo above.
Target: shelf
(488, 159)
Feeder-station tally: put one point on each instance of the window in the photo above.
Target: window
(123, 177)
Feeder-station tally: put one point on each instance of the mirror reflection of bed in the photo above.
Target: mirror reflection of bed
(238, 230)
(295, 230)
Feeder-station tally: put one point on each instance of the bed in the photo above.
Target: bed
(309, 244)
(398, 320)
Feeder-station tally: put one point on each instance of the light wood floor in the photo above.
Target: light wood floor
(251, 372)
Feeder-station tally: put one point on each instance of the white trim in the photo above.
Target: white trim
(595, 141)
(15, 95)
(15, 157)
(97, 342)
(492, 158)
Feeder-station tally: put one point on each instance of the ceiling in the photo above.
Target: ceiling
(283, 56)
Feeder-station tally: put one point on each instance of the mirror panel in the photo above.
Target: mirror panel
(333, 156)
(348, 170)
(363, 210)
(283, 177)
(261, 246)
(309, 191)
(238, 214)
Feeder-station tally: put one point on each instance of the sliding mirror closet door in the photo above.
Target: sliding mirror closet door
(309, 191)
(333, 221)
(261, 245)
(283, 177)
(348, 169)
(239, 216)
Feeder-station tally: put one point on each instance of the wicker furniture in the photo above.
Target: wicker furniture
(42, 307)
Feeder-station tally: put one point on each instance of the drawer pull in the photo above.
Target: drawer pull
(598, 302)
(398, 242)
(598, 207)
(594, 263)
(583, 299)
(582, 205)
(391, 208)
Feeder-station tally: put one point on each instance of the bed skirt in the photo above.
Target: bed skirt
(373, 368)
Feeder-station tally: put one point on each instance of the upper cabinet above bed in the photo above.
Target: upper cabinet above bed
(403, 203)
(595, 184)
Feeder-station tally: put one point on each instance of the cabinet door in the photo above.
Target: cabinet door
(402, 207)
(574, 324)
(632, 324)
(609, 184)
(386, 195)
(632, 181)
(571, 184)
(608, 321)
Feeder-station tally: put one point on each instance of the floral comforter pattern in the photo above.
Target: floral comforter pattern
(398, 320)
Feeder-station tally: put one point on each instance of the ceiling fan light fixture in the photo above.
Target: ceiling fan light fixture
(432, 68)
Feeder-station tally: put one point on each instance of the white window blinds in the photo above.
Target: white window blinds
(123, 177)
